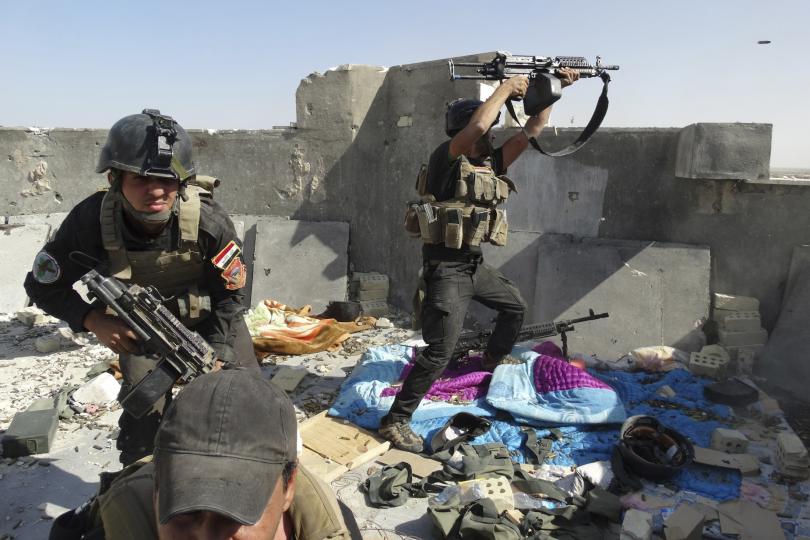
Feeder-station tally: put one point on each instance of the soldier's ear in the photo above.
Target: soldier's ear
(110, 177)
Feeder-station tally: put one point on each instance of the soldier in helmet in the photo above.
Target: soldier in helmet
(462, 185)
(157, 224)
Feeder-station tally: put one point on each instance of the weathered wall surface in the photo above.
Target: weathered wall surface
(362, 133)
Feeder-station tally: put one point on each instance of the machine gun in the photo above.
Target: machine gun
(476, 341)
(183, 354)
(544, 87)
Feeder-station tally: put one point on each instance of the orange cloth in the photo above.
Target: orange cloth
(287, 330)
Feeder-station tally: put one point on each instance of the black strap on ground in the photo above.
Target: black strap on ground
(538, 449)
(593, 124)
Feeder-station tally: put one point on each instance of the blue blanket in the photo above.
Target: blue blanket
(359, 401)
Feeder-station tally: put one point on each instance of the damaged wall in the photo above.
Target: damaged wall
(362, 133)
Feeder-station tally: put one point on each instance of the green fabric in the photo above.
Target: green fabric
(390, 486)
(480, 520)
(480, 461)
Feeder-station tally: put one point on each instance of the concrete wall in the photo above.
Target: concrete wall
(362, 133)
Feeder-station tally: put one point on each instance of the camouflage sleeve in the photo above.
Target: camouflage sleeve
(49, 284)
(225, 278)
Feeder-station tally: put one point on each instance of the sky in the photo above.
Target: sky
(237, 64)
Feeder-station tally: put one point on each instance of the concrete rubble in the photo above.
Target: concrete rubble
(639, 225)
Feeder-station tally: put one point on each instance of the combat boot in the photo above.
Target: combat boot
(401, 435)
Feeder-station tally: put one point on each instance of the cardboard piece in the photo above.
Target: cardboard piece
(421, 466)
(749, 521)
(287, 377)
(686, 523)
(320, 466)
(341, 441)
(745, 463)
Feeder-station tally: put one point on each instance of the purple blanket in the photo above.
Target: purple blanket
(463, 380)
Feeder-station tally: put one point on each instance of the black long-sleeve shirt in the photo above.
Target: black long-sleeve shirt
(81, 231)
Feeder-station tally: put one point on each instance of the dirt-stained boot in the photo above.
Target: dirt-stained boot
(401, 435)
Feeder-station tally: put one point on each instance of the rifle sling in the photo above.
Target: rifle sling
(593, 124)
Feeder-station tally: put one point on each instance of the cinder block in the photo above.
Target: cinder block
(790, 446)
(738, 339)
(375, 308)
(731, 302)
(369, 281)
(745, 361)
(373, 294)
(742, 321)
(717, 351)
(724, 151)
(707, 365)
(30, 432)
(729, 440)
(735, 352)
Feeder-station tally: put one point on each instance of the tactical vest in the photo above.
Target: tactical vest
(175, 274)
(470, 217)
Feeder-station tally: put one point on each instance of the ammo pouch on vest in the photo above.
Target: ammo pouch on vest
(479, 461)
(470, 217)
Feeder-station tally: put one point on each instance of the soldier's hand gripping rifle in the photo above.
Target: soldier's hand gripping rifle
(183, 354)
(476, 341)
(544, 87)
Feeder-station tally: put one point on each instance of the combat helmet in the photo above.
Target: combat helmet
(148, 144)
(652, 450)
(459, 113)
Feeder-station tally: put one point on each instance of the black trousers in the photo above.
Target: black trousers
(450, 288)
(136, 437)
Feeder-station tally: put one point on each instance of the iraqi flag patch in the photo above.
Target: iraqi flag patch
(235, 275)
(46, 270)
(225, 257)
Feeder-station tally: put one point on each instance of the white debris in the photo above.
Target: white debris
(31, 316)
(51, 511)
(383, 322)
(100, 390)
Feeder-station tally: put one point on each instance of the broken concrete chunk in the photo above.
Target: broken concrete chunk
(735, 303)
(637, 525)
(48, 344)
(101, 390)
(686, 523)
(791, 446)
(729, 440)
(31, 316)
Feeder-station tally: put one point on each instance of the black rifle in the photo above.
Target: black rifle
(544, 87)
(183, 354)
(476, 341)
